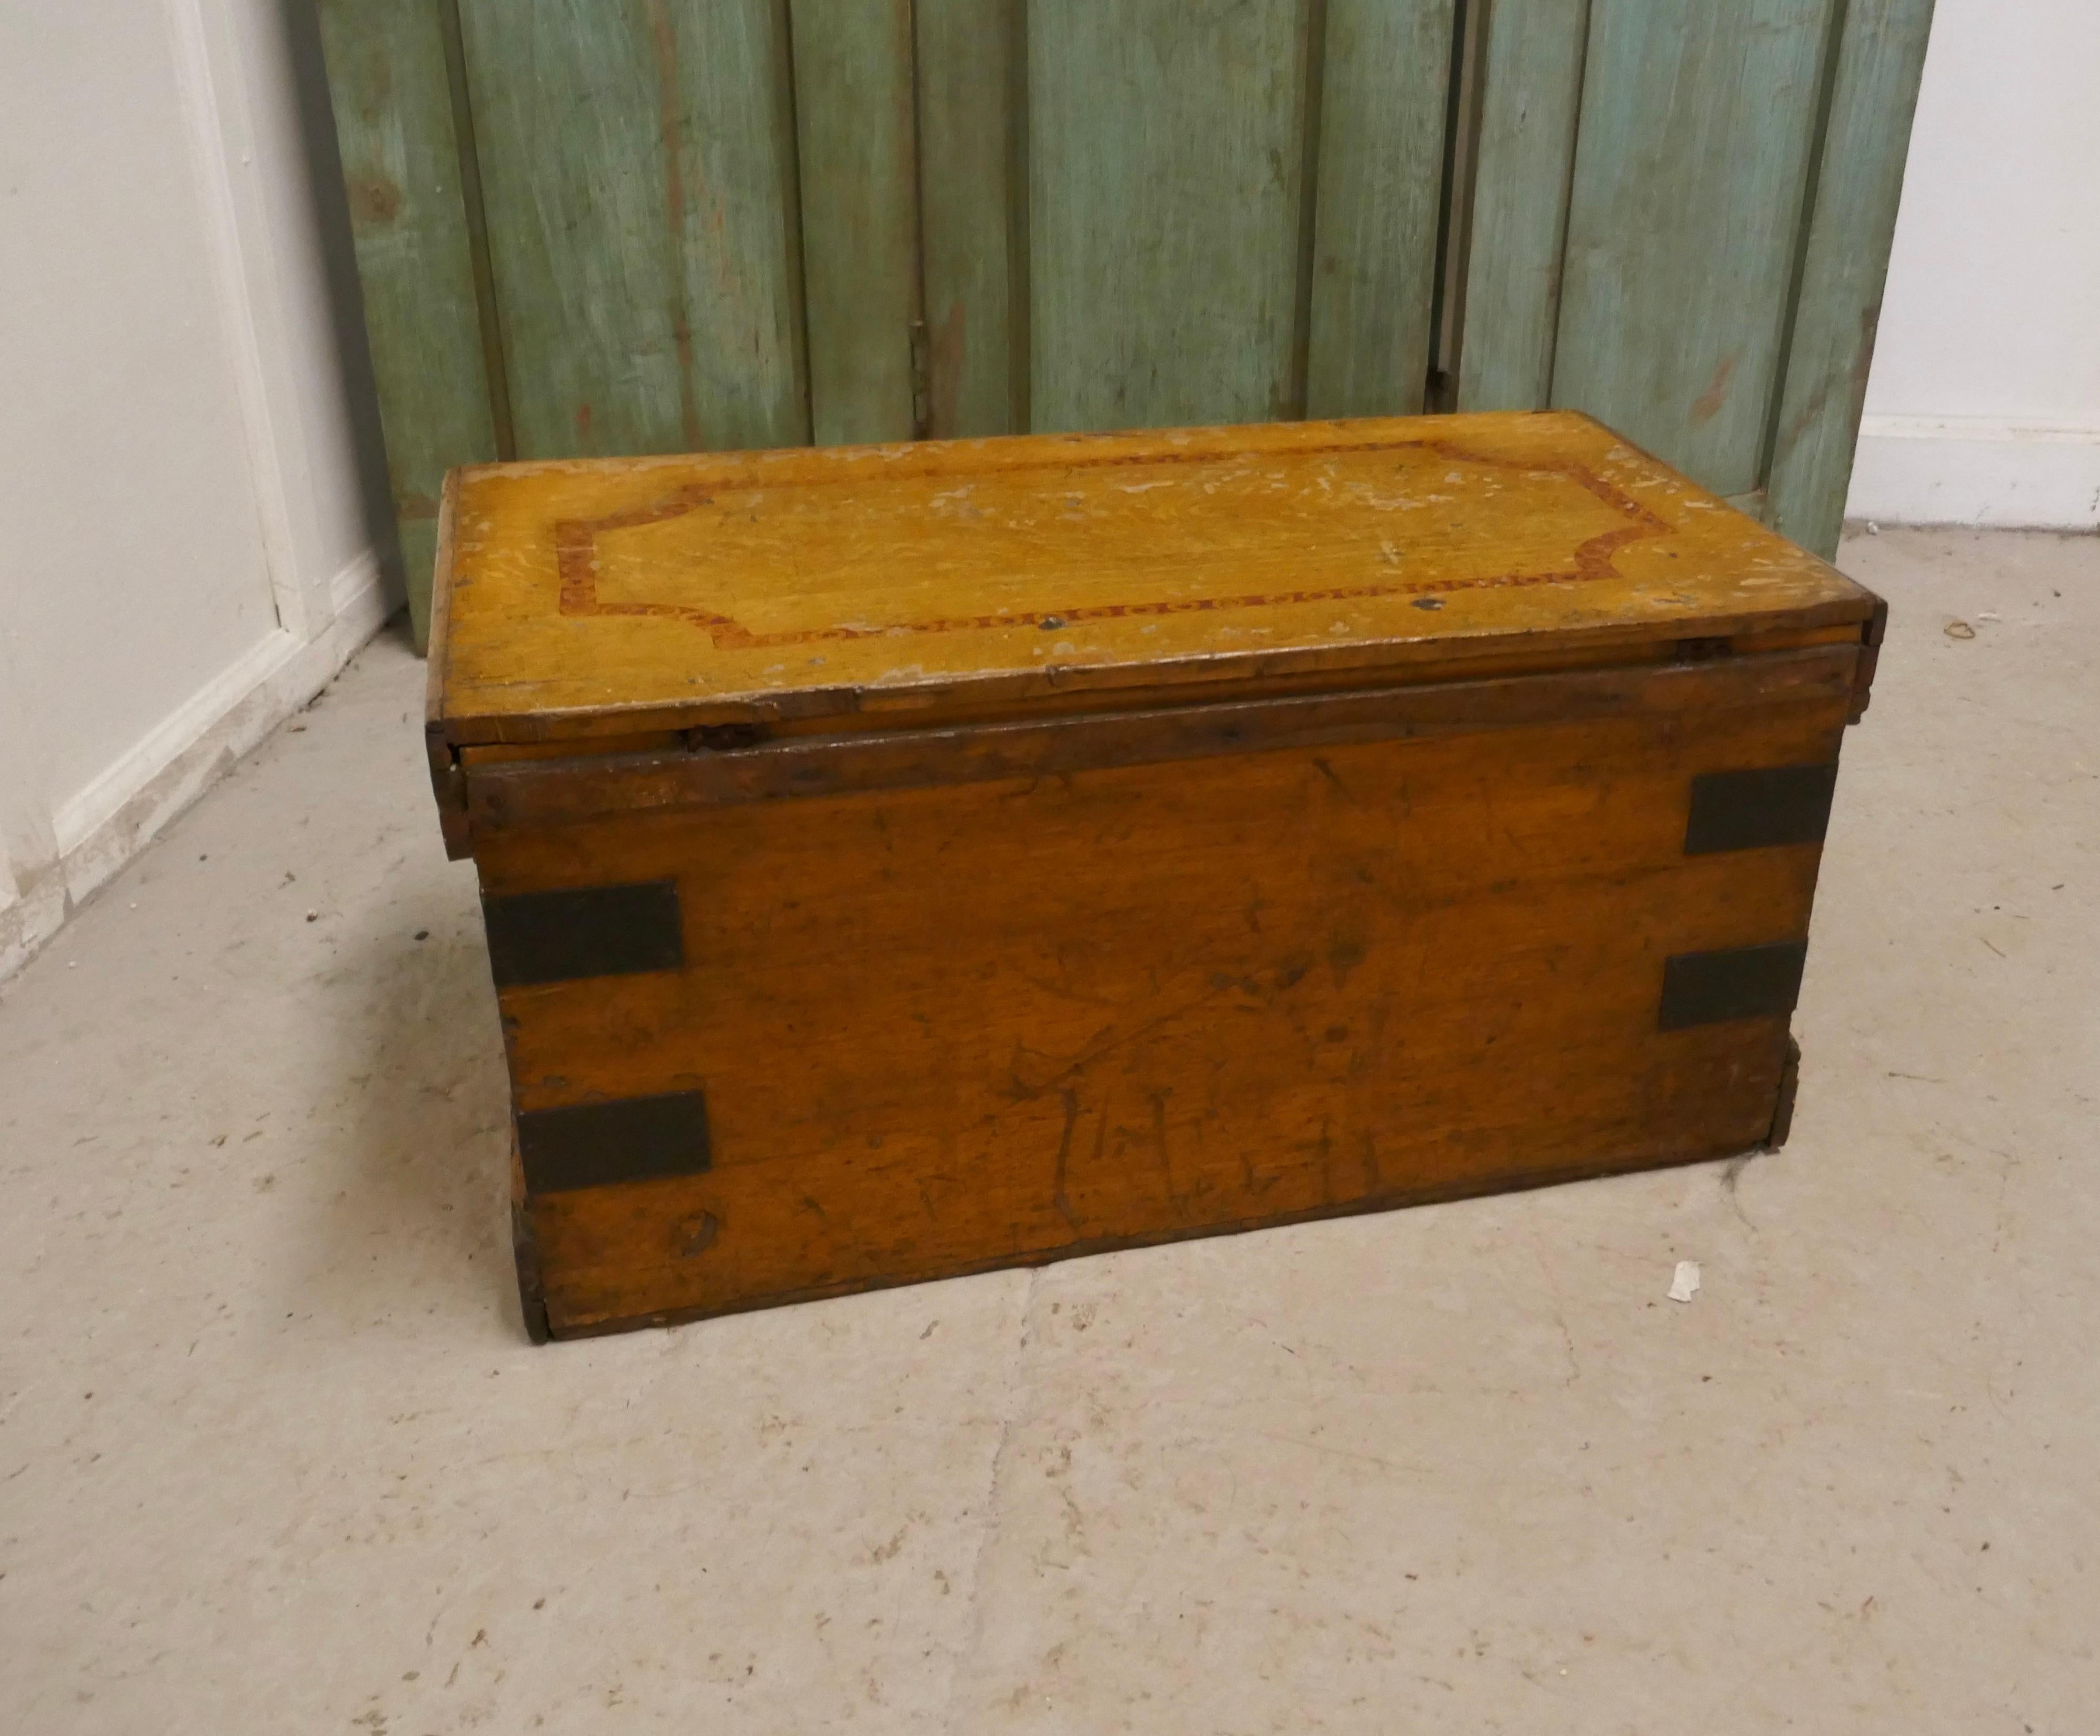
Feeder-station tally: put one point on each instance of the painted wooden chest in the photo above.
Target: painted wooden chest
(906, 860)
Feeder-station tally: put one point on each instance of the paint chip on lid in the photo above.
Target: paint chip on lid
(1684, 1282)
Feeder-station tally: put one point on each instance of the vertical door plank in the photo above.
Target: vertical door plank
(1531, 90)
(1851, 227)
(860, 254)
(1690, 177)
(973, 215)
(1384, 76)
(1166, 155)
(637, 174)
(394, 121)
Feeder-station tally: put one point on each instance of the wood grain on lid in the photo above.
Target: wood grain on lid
(937, 576)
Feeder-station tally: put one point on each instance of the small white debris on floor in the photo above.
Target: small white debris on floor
(1684, 1282)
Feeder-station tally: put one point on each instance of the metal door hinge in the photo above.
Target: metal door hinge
(922, 380)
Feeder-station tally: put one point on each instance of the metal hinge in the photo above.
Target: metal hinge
(723, 737)
(922, 380)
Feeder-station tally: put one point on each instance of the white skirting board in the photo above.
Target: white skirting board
(109, 822)
(1966, 470)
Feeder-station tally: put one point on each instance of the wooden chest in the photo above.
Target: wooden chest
(906, 860)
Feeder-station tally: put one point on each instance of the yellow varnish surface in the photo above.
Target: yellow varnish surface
(940, 575)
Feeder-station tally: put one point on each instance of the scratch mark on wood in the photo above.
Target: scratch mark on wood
(1058, 1197)
(698, 1234)
(1159, 1146)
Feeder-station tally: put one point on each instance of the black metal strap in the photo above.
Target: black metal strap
(1754, 810)
(599, 1144)
(597, 931)
(1744, 982)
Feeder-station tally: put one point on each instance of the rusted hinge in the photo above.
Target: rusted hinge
(724, 737)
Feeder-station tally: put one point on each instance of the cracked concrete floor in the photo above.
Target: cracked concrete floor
(274, 1457)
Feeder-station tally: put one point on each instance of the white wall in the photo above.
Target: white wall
(188, 553)
(1983, 406)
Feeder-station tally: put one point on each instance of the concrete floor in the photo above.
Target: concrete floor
(274, 1456)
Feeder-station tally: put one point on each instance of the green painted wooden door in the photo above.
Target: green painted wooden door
(1681, 221)
(633, 225)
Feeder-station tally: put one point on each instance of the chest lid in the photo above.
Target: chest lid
(596, 599)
